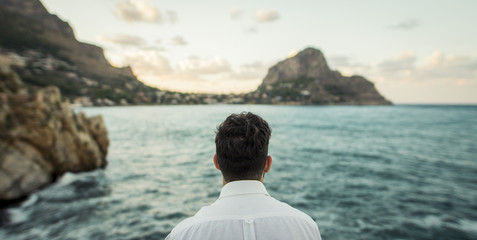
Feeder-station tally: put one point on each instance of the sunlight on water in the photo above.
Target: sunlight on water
(398, 172)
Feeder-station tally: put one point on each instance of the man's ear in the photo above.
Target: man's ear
(216, 163)
(268, 164)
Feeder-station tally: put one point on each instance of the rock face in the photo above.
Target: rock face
(41, 138)
(45, 52)
(49, 54)
(307, 79)
(35, 10)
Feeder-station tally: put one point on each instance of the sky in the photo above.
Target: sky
(414, 51)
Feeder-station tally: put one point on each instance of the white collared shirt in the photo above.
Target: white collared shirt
(245, 210)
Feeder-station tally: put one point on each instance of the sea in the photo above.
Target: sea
(361, 172)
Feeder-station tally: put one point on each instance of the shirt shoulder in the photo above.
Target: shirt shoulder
(275, 218)
(277, 228)
(245, 207)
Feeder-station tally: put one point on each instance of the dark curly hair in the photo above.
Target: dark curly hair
(242, 146)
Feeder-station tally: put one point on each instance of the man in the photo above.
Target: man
(244, 209)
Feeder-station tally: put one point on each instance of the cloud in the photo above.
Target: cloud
(148, 63)
(153, 48)
(403, 63)
(339, 60)
(266, 16)
(178, 41)
(125, 40)
(171, 16)
(448, 66)
(407, 77)
(436, 78)
(196, 65)
(253, 65)
(292, 53)
(236, 13)
(408, 67)
(405, 25)
(194, 74)
(251, 30)
(434, 68)
(253, 71)
(138, 11)
(347, 66)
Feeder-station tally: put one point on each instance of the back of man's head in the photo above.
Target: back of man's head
(242, 146)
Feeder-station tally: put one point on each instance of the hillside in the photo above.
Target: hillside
(45, 52)
(307, 79)
(42, 49)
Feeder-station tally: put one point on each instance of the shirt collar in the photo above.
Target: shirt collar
(243, 187)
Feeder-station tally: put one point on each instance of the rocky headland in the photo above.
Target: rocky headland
(306, 79)
(45, 51)
(41, 138)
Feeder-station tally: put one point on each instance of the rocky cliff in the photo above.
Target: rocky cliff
(36, 11)
(307, 79)
(41, 138)
(47, 53)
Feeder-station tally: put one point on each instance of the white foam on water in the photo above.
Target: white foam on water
(432, 221)
(468, 225)
(67, 178)
(17, 215)
(30, 201)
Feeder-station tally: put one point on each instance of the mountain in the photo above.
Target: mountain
(36, 11)
(42, 49)
(45, 52)
(307, 79)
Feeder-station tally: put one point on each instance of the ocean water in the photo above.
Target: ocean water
(384, 172)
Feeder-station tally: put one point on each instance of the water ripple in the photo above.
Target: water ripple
(401, 172)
